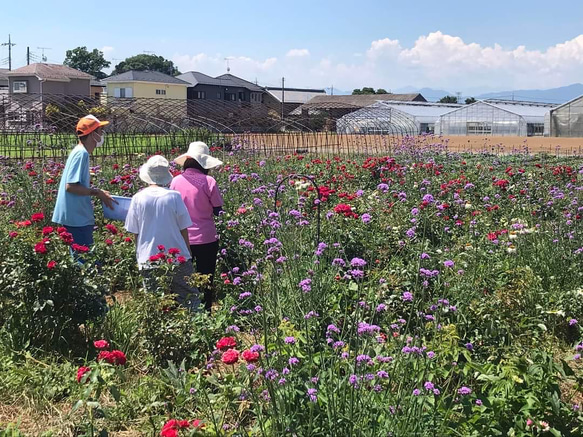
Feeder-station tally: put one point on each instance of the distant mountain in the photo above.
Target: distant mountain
(553, 95)
(430, 94)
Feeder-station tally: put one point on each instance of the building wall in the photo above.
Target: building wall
(217, 92)
(33, 84)
(481, 119)
(148, 90)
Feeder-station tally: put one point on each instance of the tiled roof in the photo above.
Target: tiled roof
(237, 81)
(50, 72)
(195, 78)
(145, 76)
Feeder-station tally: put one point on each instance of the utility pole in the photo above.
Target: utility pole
(332, 90)
(282, 95)
(27, 55)
(9, 44)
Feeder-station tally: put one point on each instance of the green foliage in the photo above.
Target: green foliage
(90, 62)
(143, 62)
(368, 90)
(470, 100)
(448, 99)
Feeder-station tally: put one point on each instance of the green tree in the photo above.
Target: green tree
(147, 62)
(448, 99)
(91, 62)
(368, 90)
(470, 100)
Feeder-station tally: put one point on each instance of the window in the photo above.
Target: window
(231, 96)
(20, 86)
(201, 95)
(123, 92)
(241, 96)
(219, 96)
(256, 97)
(161, 92)
(479, 128)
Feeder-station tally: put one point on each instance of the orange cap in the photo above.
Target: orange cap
(88, 124)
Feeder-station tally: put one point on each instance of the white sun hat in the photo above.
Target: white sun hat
(200, 152)
(156, 171)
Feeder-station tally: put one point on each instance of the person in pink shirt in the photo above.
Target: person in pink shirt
(203, 201)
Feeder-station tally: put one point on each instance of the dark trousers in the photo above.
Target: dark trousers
(204, 258)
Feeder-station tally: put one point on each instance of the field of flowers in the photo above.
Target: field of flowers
(424, 293)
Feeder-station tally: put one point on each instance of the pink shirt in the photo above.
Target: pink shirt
(200, 195)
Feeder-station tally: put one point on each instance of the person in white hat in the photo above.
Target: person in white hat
(203, 200)
(159, 218)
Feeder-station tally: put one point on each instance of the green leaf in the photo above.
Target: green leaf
(115, 392)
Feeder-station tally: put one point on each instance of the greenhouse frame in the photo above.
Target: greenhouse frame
(496, 118)
(566, 120)
(394, 118)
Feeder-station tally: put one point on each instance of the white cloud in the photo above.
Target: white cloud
(435, 60)
(298, 53)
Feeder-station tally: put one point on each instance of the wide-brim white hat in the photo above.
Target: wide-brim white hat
(199, 151)
(156, 171)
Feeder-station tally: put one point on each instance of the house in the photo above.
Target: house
(45, 79)
(225, 87)
(291, 98)
(97, 88)
(4, 80)
(227, 102)
(38, 95)
(145, 85)
(155, 100)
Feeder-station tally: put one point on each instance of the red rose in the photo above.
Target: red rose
(181, 259)
(108, 241)
(173, 251)
(24, 224)
(101, 344)
(127, 240)
(61, 229)
(154, 258)
(171, 428)
(79, 248)
(81, 372)
(114, 357)
(37, 217)
(66, 237)
(161, 247)
(13, 234)
(250, 356)
(51, 265)
(47, 230)
(111, 228)
(226, 343)
(197, 424)
(40, 248)
(231, 356)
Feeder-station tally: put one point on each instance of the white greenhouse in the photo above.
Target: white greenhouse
(567, 120)
(497, 118)
(394, 118)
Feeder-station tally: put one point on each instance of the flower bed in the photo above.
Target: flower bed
(417, 294)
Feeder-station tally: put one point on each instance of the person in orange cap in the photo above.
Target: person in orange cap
(73, 208)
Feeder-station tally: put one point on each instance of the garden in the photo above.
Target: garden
(425, 293)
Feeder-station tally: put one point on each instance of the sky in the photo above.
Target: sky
(460, 46)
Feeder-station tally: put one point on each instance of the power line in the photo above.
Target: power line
(9, 44)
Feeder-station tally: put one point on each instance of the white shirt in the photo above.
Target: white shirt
(157, 215)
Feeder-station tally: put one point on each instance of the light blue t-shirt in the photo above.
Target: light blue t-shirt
(71, 209)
